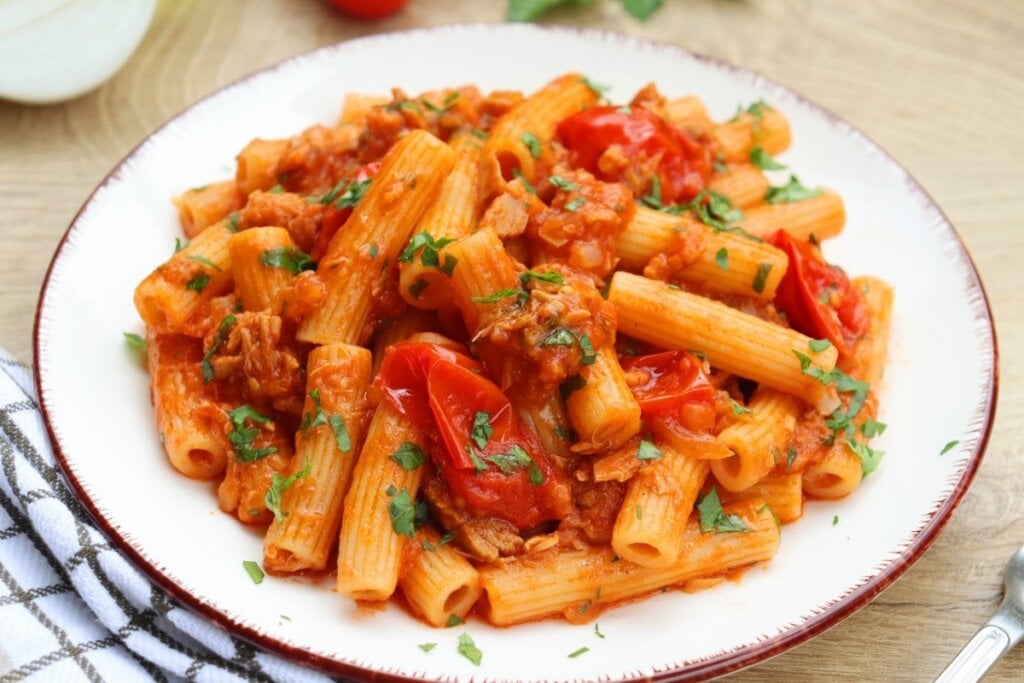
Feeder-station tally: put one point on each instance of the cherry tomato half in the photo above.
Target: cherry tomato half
(816, 296)
(481, 448)
(675, 378)
(369, 9)
(682, 164)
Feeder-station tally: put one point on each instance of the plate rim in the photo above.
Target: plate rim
(715, 665)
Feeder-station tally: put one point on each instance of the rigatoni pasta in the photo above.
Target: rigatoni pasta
(516, 355)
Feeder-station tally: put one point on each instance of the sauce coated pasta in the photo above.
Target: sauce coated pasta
(520, 355)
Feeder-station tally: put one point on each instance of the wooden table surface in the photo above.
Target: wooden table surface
(938, 84)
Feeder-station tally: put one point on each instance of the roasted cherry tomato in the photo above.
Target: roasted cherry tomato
(675, 382)
(481, 448)
(816, 296)
(334, 217)
(681, 163)
(369, 9)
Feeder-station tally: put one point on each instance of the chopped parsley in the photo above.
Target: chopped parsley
(532, 143)
(819, 345)
(253, 570)
(319, 417)
(547, 276)
(429, 249)
(641, 10)
(279, 484)
(350, 197)
(134, 341)
(869, 457)
(647, 450)
(205, 261)
(291, 259)
(409, 456)
(341, 436)
(639, 512)
(722, 258)
(790, 455)
(222, 334)
(444, 540)
(518, 175)
(597, 630)
(872, 428)
(575, 204)
(559, 336)
(493, 298)
(276, 189)
(835, 520)
(179, 245)
(242, 436)
(713, 517)
(468, 649)
(763, 160)
(598, 89)
(739, 409)
(577, 653)
(454, 620)
(427, 647)
(563, 184)
(198, 283)
(587, 353)
(406, 516)
(514, 460)
(806, 366)
(374, 249)
(761, 276)
(949, 446)
(792, 191)
(482, 429)
(233, 219)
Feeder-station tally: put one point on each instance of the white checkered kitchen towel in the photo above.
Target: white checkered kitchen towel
(71, 607)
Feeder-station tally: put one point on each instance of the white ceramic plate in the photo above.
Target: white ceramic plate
(96, 397)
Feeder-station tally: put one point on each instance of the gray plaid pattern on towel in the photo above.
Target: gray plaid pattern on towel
(71, 607)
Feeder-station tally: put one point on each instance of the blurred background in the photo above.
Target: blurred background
(939, 84)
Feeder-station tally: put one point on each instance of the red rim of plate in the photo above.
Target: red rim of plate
(717, 665)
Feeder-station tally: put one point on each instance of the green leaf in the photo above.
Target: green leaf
(427, 647)
(575, 204)
(253, 570)
(577, 653)
(792, 191)
(454, 620)
(807, 367)
(587, 353)
(835, 520)
(291, 259)
(869, 457)
(205, 261)
(179, 245)
(949, 446)
(872, 428)
(547, 276)
(233, 219)
(598, 89)
(242, 436)
(468, 649)
(279, 484)
(276, 189)
(761, 276)
(444, 540)
(713, 517)
(134, 341)
(532, 143)
(198, 283)
(819, 345)
(449, 265)
(417, 287)
(560, 336)
(647, 450)
(341, 436)
(653, 198)
(518, 175)
(763, 160)
(222, 334)
(409, 456)
(641, 10)
(403, 513)
(482, 429)
(597, 631)
(790, 455)
(514, 460)
(531, 10)
(722, 258)
(563, 184)
(494, 298)
(739, 409)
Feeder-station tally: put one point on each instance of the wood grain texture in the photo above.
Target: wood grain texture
(938, 84)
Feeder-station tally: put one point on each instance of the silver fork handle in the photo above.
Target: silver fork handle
(1004, 630)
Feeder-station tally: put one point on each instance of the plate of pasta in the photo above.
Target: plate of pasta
(590, 359)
